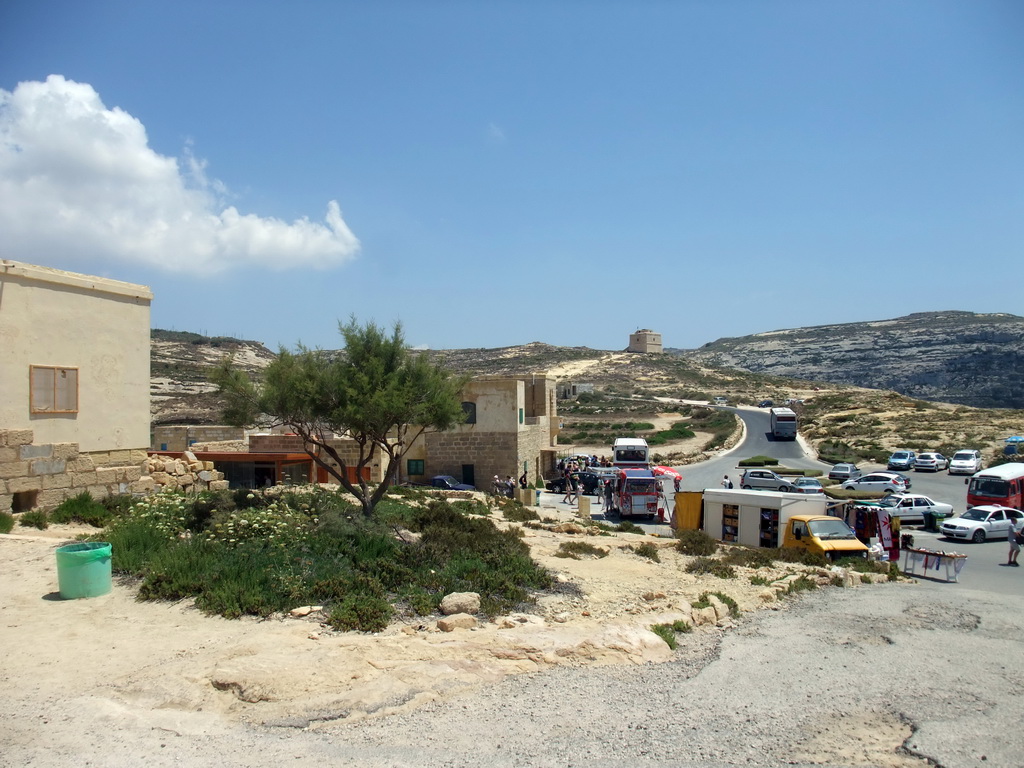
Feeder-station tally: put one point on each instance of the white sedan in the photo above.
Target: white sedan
(913, 506)
(985, 522)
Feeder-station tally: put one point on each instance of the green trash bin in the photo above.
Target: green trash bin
(83, 570)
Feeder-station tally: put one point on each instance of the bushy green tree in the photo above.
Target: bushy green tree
(375, 392)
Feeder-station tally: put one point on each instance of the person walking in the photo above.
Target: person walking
(1016, 537)
(600, 491)
(677, 482)
(726, 482)
(567, 480)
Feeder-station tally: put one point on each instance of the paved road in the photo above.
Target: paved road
(984, 570)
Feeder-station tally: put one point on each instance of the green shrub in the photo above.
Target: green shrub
(628, 526)
(695, 543)
(799, 555)
(647, 550)
(760, 581)
(517, 513)
(863, 565)
(35, 518)
(574, 549)
(82, 508)
(666, 633)
(759, 461)
(6, 522)
(368, 614)
(315, 547)
(801, 584)
(708, 565)
(749, 557)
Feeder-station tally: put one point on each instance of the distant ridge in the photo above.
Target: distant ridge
(951, 356)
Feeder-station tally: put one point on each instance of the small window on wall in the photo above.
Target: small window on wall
(53, 390)
(414, 467)
(522, 416)
(470, 409)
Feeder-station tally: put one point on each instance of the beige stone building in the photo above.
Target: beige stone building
(511, 427)
(645, 340)
(74, 373)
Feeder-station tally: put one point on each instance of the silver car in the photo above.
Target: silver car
(765, 478)
(930, 462)
(844, 472)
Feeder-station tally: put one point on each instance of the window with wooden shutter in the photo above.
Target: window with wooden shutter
(53, 389)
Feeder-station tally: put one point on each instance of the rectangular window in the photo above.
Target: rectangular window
(414, 467)
(53, 389)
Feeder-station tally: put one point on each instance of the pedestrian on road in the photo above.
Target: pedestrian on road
(567, 498)
(726, 482)
(677, 482)
(1016, 537)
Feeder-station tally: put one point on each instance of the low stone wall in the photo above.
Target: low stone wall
(187, 473)
(42, 476)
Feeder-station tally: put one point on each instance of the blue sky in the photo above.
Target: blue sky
(495, 173)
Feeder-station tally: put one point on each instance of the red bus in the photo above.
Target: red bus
(1003, 485)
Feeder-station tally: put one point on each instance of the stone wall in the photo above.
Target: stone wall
(490, 453)
(187, 473)
(42, 476)
(181, 438)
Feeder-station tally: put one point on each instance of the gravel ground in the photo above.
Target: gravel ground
(897, 675)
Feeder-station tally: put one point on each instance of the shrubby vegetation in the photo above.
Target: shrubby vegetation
(250, 554)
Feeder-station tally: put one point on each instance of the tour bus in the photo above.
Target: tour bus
(631, 453)
(1003, 485)
(783, 424)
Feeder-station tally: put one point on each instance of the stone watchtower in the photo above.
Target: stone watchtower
(645, 340)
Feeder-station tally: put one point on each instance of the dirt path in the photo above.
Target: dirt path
(130, 683)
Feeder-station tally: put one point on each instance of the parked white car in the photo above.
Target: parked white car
(965, 462)
(886, 482)
(930, 462)
(980, 523)
(912, 506)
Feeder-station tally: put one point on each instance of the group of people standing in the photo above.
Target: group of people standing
(507, 487)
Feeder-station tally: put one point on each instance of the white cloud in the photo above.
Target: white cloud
(79, 181)
(494, 133)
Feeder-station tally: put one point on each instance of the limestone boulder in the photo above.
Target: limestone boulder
(456, 621)
(460, 602)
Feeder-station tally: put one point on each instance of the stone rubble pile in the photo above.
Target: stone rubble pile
(187, 473)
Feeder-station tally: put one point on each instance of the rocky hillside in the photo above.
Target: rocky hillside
(180, 362)
(954, 357)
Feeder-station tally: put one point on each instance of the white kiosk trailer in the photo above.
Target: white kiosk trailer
(757, 518)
